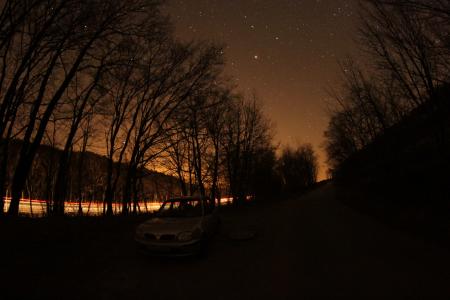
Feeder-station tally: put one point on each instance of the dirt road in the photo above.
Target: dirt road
(312, 247)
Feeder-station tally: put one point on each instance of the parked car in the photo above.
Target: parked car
(181, 227)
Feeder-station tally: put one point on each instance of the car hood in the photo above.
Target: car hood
(170, 225)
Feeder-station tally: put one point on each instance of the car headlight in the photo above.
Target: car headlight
(185, 236)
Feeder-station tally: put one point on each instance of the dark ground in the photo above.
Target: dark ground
(312, 247)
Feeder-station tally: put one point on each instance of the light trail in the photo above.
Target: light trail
(38, 208)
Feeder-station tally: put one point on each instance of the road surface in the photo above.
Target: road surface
(307, 248)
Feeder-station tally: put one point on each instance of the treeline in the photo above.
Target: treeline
(406, 55)
(109, 77)
(388, 140)
(298, 168)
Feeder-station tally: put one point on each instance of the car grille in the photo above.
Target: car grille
(167, 237)
(149, 236)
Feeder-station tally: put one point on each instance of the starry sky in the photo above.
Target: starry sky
(287, 51)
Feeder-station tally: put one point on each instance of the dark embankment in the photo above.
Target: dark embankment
(403, 177)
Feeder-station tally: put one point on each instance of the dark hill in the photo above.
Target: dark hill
(403, 176)
(86, 176)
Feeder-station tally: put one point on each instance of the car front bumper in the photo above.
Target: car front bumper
(170, 249)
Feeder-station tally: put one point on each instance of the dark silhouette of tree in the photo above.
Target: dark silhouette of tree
(298, 168)
(71, 68)
(141, 63)
(56, 43)
(215, 128)
(194, 147)
(185, 74)
(220, 140)
(247, 133)
(409, 53)
(86, 134)
(84, 101)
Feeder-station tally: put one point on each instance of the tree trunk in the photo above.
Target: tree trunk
(109, 193)
(61, 183)
(214, 187)
(3, 170)
(19, 179)
(127, 190)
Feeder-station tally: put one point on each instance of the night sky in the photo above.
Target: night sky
(285, 50)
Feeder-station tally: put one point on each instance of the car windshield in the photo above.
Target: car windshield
(181, 208)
